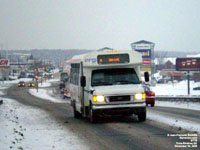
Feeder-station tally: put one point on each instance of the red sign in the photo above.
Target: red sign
(146, 61)
(188, 64)
(4, 63)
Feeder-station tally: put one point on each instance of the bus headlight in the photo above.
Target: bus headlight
(98, 98)
(140, 96)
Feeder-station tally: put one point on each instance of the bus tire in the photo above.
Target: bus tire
(77, 115)
(92, 115)
(152, 104)
(142, 117)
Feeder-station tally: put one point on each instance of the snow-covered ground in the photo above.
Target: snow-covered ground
(44, 84)
(14, 81)
(54, 80)
(45, 94)
(174, 122)
(176, 88)
(24, 128)
(179, 104)
(40, 131)
(56, 70)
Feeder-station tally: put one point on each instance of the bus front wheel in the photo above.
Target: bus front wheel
(77, 115)
(142, 117)
(92, 115)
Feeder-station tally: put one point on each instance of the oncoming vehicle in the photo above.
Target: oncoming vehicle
(63, 90)
(50, 76)
(107, 83)
(66, 94)
(21, 84)
(150, 96)
(31, 84)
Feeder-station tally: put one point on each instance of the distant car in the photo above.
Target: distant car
(31, 84)
(196, 88)
(50, 76)
(62, 85)
(64, 90)
(21, 84)
(40, 74)
(150, 96)
(21, 76)
(30, 76)
(66, 94)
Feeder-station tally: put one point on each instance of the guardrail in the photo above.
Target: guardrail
(186, 98)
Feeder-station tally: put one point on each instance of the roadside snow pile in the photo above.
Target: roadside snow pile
(176, 88)
(55, 70)
(44, 84)
(45, 94)
(174, 122)
(184, 105)
(54, 80)
(16, 81)
(9, 83)
(1, 93)
(13, 77)
(24, 127)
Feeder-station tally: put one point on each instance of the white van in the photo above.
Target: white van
(107, 83)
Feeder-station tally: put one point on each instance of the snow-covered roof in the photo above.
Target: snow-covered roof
(164, 60)
(142, 42)
(197, 55)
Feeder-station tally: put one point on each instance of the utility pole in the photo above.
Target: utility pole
(188, 82)
(1, 46)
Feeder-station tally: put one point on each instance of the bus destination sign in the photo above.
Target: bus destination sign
(113, 59)
(188, 64)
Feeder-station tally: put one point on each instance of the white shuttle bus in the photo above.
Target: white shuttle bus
(107, 83)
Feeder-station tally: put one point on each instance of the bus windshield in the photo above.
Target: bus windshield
(115, 76)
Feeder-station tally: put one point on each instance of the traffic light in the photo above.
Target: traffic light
(37, 69)
(36, 77)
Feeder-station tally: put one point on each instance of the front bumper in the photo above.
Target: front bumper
(113, 106)
(120, 109)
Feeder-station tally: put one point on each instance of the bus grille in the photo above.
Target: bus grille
(119, 98)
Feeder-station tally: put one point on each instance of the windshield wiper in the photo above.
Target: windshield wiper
(101, 83)
(126, 82)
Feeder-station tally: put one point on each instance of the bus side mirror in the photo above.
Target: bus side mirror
(146, 76)
(83, 81)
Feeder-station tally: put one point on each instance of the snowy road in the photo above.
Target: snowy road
(112, 133)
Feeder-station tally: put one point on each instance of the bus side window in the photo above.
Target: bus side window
(74, 75)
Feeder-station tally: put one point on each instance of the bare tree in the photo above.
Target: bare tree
(161, 57)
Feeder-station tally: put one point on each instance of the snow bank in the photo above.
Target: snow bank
(176, 88)
(25, 127)
(174, 122)
(45, 94)
(16, 81)
(54, 80)
(44, 84)
(184, 105)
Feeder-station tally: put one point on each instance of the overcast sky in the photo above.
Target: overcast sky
(93, 24)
